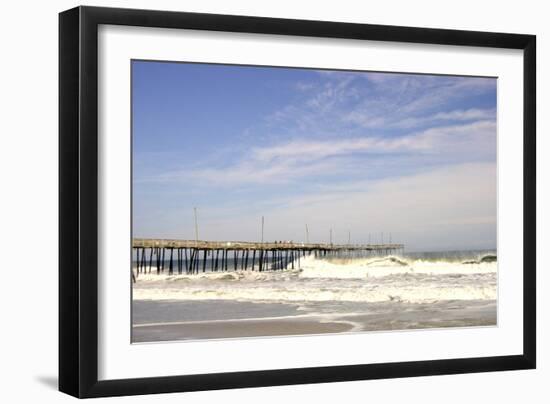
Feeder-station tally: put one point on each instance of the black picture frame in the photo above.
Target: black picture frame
(78, 201)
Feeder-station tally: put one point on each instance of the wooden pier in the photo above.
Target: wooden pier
(194, 256)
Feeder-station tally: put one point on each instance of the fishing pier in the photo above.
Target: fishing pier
(195, 256)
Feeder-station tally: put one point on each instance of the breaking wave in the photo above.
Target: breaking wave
(374, 279)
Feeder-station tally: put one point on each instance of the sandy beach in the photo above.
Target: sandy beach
(234, 329)
(288, 321)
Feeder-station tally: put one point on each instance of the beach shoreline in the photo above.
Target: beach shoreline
(288, 321)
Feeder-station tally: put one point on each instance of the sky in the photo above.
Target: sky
(365, 154)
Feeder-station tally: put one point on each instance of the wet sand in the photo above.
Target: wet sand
(476, 316)
(216, 319)
(234, 329)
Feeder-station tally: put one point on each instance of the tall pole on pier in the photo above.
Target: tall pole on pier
(196, 225)
(349, 237)
(330, 236)
(262, 229)
(307, 234)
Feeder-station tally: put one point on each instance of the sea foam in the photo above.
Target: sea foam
(376, 279)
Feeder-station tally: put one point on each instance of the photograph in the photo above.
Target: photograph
(272, 201)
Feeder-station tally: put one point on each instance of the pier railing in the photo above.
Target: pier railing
(248, 245)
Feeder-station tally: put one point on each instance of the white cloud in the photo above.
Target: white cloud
(451, 207)
(368, 121)
(307, 150)
(381, 101)
(302, 158)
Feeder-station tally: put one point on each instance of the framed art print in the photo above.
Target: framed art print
(250, 201)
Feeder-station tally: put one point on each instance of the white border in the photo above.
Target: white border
(120, 359)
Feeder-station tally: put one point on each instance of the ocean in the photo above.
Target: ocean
(323, 295)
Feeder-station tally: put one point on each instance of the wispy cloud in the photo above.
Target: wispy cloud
(382, 101)
(305, 157)
(415, 101)
(367, 120)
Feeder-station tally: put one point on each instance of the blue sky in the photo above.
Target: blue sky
(360, 152)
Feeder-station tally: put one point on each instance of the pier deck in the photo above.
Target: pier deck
(248, 245)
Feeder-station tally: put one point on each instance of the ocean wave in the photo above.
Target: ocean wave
(484, 259)
(311, 267)
(377, 279)
(371, 293)
(361, 268)
(238, 275)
